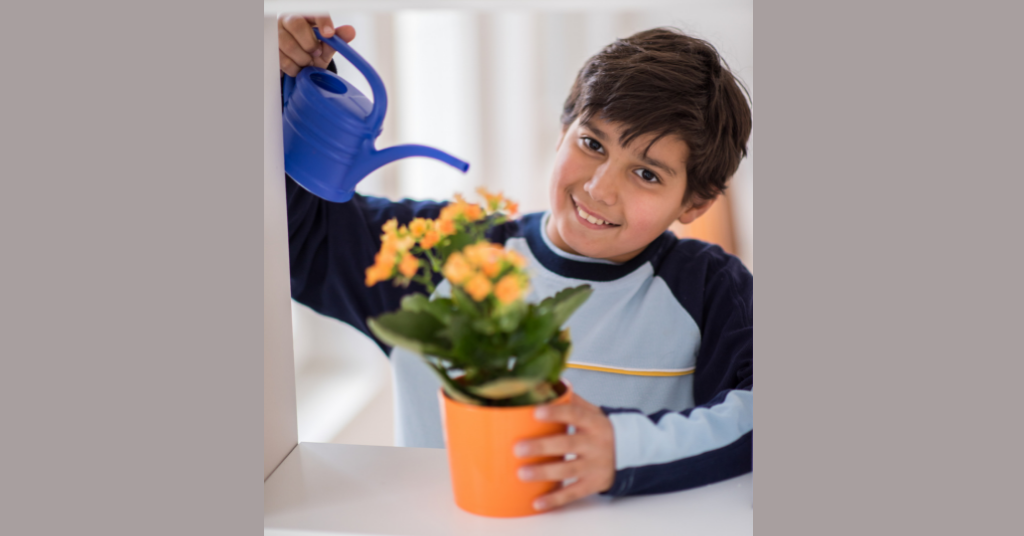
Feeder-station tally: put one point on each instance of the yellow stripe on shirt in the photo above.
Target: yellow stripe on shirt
(631, 372)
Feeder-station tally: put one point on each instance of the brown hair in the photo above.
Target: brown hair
(664, 82)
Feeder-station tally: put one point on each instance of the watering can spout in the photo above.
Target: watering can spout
(366, 164)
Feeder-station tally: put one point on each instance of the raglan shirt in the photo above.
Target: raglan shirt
(664, 345)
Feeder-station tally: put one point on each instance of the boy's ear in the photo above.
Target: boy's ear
(696, 209)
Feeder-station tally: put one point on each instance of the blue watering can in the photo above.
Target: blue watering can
(330, 129)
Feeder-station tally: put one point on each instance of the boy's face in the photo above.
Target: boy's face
(636, 198)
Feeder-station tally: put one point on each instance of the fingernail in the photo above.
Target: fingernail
(541, 413)
(539, 505)
(525, 473)
(317, 52)
(521, 450)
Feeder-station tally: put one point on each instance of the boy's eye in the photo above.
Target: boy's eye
(592, 144)
(646, 175)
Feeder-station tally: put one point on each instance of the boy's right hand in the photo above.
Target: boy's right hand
(298, 46)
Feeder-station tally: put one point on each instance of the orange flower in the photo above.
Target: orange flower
(508, 289)
(376, 274)
(473, 212)
(456, 269)
(511, 207)
(405, 243)
(409, 265)
(446, 227)
(390, 227)
(450, 212)
(418, 227)
(430, 239)
(493, 200)
(479, 287)
(385, 259)
(486, 256)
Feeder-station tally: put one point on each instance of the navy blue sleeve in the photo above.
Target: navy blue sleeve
(712, 441)
(332, 244)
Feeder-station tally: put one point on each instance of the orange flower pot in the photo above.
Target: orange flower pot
(480, 442)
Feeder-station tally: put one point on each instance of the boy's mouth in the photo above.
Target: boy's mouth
(589, 219)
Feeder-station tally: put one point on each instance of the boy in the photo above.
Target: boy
(662, 359)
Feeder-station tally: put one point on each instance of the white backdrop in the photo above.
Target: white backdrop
(486, 86)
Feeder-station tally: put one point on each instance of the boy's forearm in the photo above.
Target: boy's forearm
(671, 451)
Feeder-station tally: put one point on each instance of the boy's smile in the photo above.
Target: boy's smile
(610, 201)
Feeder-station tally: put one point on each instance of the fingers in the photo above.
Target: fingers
(323, 23)
(299, 46)
(565, 495)
(557, 471)
(326, 53)
(302, 33)
(292, 49)
(577, 412)
(556, 445)
(346, 33)
(288, 66)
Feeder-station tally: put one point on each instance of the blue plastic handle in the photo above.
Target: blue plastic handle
(380, 95)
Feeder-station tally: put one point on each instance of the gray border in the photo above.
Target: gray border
(132, 275)
(888, 268)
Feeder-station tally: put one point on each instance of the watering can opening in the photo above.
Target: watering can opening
(329, 83)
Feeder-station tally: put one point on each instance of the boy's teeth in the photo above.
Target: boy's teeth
(590, 218)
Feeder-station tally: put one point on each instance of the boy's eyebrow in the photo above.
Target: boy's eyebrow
(658, 164)
(647, 160)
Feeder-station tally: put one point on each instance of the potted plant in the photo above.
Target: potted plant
(496, 355)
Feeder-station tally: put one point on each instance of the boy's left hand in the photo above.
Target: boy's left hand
(593, 444)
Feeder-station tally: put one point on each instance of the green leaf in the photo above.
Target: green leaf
(407, 329)
(454, 390)
(567, 301)
(539, 365)
(485, 326)
(535, 329)
(504, 387)
(464, 302)
(415, 303)
(511, 316)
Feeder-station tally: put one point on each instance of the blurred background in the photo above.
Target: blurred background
(487, 86)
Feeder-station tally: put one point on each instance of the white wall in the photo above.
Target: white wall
(279, 421)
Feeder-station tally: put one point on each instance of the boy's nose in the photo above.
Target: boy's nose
(601, 186)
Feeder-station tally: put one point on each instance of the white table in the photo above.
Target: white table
(329, 489)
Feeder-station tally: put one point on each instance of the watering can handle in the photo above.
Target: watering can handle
(380, 95)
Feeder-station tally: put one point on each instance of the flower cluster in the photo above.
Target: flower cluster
(395, 257)
(485, 269)
(430, 244)
(487, 344)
